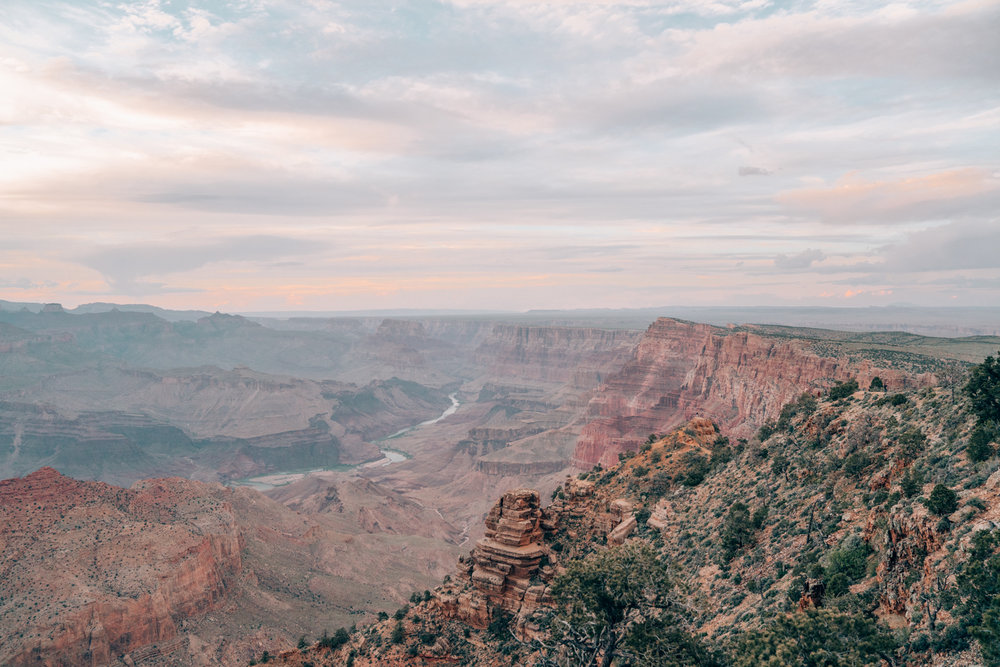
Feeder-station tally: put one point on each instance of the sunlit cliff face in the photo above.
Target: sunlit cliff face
(271, 155)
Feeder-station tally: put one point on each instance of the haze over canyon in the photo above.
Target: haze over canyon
(312, 472)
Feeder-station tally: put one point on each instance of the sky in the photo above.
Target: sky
(254, 155)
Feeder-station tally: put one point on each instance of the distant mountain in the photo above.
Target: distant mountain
(102, 307)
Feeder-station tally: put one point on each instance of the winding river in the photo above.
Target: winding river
(389, 456)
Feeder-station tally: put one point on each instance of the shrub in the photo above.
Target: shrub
(983, 390)
(979, 448)
(912, 443)
(721, 453)
(806, 404)
(843, 390)
(339, 638)
(911, 482)
(766, 431)
(659, 484)
(856, 463)
(696, 467)
(897, 399)
(848, 561)
(779, 465)
(815, 638)
(737, 530)
(942, 500)
(615, 602)
(979, 585)
(500, 624)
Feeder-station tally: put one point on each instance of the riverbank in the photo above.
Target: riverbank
(389, 456)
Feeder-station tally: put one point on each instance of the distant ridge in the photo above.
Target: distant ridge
(105, 307)
(927, 321)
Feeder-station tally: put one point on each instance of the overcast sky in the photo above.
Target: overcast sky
(499, 154)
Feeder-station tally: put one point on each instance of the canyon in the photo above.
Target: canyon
(117, 398)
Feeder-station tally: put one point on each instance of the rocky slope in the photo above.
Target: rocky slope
(92, 571)
(835, 507)
(177, 572)
(738, 378)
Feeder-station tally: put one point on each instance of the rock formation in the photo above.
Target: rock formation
(737, 378)
(91, 572)
(498, 576)
(174, 571)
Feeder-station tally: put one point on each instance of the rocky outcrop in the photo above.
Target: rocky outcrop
(505, 559)
(907, 539)
(92, 572)
(504, 571)
(737, 378)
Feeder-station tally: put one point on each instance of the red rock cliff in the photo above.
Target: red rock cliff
(680, 370)
(91, 572)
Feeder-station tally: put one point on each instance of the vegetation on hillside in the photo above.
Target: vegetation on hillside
(856, 529)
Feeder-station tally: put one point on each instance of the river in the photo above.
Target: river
(389, 456)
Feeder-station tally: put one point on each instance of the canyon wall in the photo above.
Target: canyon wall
(92, 571)
(576, 356)
(737, 378)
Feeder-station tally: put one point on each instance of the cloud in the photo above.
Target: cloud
(124, 266)
(853, 199)
(837, 41)
(26, 284)
(485, 138)
(802, 260)
(958, 246)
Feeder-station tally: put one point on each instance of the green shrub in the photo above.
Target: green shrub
(721, 452)
(766, 430)
(942, 500)
(983, 390)
(696, 467)
(842, 390)
(659, 484)
(339, 638)
(847, 564)
(911, 483)
(979, 448)
(737, 530)
(856, 463)
(815, 638)
(912, 443)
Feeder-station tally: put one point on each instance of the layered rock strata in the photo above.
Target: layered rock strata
(91, 572)
(576, 356)
(504, 572)
(739, 379)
